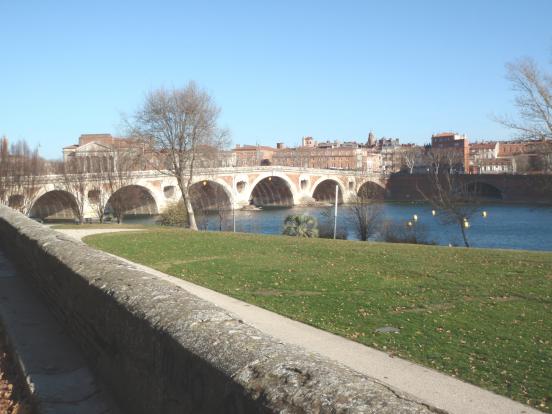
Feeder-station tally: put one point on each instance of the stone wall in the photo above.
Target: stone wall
(160, 349)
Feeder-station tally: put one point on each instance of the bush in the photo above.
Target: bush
(326, 228)
(174, 215)
(400, 233)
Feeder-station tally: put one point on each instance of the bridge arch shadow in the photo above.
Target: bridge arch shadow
(55, 205)
(131, 200)
(207, 196)
(324, 191)
(272, 191)
(371, 191)
(481, 189)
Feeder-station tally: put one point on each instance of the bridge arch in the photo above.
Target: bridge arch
(371, 190)
(54, 205)
(132, 200)
(482, 189)
(324, 190)
(210, 195)
(273, 190)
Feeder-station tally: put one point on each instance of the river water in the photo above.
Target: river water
(505, 226)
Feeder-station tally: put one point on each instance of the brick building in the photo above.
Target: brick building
(252, 155)
(453, 149)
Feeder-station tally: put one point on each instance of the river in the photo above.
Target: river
(504, 227)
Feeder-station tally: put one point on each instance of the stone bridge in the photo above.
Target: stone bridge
(229, 188)
(508, 188)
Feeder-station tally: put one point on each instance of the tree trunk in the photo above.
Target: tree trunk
(184, 190)
(191, 216)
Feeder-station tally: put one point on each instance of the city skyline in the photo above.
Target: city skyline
(278, 71)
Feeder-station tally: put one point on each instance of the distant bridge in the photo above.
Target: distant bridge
(228, 188)
(149, 192)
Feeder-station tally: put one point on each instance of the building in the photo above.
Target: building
(452, 149)
(253, 155)
(349, 156)
(99, 152)
(494, 166)
(390, 157)
(308, 142)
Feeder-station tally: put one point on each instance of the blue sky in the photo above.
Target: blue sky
(279, 70)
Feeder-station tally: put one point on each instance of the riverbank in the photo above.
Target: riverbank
(480, 315)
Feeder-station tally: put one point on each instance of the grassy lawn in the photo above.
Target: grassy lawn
(85, 226)
(481, 315)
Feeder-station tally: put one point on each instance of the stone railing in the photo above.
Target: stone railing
(159, 349)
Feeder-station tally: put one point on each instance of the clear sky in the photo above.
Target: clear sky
(278, 69)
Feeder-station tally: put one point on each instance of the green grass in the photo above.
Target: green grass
(85, 226)
(481, 315)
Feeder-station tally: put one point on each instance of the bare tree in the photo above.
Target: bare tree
(410, 157)
(453, 198)
(533, 88)
(542, 151)
(533, 99)
(4, 170)
(25, 168)
(124, 160)
(179, 125)
(20, 171)
(74, 180)
(365, 212)
(365, 216)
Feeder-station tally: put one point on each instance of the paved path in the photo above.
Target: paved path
(432, 387)
(58, 377)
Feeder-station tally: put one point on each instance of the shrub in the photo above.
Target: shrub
(174, 215)
(326, 228)
(400, 233)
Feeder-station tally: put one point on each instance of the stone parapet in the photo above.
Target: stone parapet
(160, 349)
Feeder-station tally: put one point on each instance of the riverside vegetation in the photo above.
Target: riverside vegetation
(478, 314)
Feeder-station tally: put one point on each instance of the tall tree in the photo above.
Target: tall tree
(180, 126)
(533, 89)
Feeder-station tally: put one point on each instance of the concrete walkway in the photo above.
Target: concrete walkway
(431, 387)
(58, 377)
